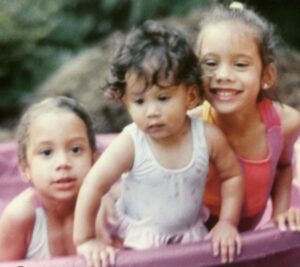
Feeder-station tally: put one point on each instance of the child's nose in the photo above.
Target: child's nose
(223, 73)
(152, 110)
(62, 160)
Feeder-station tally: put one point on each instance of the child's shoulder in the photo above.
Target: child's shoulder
(21, 209)
(214, 135)
(289, 117)
(16, 226)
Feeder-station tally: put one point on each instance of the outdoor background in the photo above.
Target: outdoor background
(52, 47)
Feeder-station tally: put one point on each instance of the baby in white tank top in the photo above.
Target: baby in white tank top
(158, 205)
(164, 153)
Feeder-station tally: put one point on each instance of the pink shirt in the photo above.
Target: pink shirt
(259, 174)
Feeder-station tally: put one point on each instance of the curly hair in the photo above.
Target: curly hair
(175, 59)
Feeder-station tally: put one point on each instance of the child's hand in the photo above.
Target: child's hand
(289, 219)
(226, 241)
(96, 253)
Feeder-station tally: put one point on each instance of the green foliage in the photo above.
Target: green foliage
(26, 55)
(37, 36)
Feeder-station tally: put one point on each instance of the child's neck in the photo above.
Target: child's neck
(237, 122)
(166, 151)
(245, 132)
(58, 208)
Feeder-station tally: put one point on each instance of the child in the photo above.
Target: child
(164, 152)
(236, 50)
(56, 148)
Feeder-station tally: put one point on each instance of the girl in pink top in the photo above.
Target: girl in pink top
(236, 51)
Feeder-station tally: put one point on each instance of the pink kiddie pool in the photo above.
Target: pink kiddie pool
(261, 248)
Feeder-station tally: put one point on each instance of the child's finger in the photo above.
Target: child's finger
(231, 250)
(104, 259)
(87, 255)
(224, 251)
(111, 255)
(238, 243)
(216, 248)
(281, 223)
(95, 259)
(291, 218)
(88, 259)
(297, 219)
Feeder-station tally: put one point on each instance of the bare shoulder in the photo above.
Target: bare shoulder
(122, 141)
(20, 212)
(215, 138)
(122, 145)
(116, 159)
(290, 119)
(16, 225)
(212, 131)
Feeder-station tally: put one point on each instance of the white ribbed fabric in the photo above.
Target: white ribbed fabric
(160, 206)
(39, 247)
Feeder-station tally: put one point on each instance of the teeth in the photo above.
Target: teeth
(225, 93)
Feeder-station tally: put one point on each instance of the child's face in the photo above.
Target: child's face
(159, 112)
(231, 65)
(58, 154)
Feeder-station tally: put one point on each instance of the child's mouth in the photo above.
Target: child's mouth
(65, 183)
(224, 94)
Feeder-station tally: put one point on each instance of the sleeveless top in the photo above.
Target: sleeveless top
(159, 206)
(38, 247)
(259, 174)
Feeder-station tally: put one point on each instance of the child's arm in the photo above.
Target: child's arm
(16, 225)
(114, 161)
(225, 236)
(281, 191)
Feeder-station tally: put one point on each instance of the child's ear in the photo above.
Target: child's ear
(269, 76)
(96, 155)
(25, 172)
(193, 97)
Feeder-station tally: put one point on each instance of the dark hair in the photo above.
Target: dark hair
(260, 27)
(176, 60)
(57, 102)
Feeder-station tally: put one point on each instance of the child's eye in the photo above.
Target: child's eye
(46, 152)
(76, 149)
(209, 63)
(163, 98)
(139, 101)
(241, 64)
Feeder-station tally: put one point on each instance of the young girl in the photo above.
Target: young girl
(164, 152)
(56, 148)
(236, 50)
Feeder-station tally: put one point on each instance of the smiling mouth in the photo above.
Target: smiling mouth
(224, 94)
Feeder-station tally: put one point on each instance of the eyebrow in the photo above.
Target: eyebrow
(71, 139)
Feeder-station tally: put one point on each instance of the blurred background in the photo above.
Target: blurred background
(63, 47)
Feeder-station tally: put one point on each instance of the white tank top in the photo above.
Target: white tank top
(160, 205)
(39, 247)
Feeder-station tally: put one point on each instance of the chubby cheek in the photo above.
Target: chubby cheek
(176, 116)
(137, 115)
